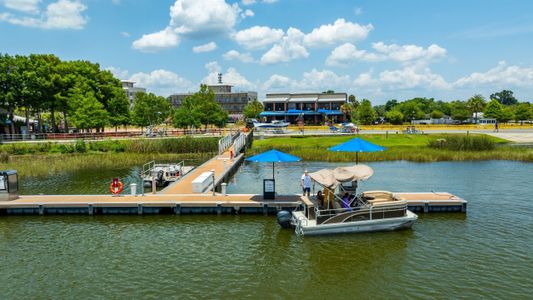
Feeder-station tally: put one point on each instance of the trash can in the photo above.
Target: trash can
(269, 189)
(133, 189)
(9, 185)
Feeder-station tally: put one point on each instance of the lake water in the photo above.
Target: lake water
(483, 254)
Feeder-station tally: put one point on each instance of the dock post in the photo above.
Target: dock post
(177, 209)
(223, 187)
(139, 209)
(90, 209)
(463, 207)
(426, 207)
(219, 208)
(265, 209)
(154, 185)
(41, 209)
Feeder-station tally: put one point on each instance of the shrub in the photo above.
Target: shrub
(463, 143)
(80, 146)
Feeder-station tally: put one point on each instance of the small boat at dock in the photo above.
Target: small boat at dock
(164, 174)
(340, 210)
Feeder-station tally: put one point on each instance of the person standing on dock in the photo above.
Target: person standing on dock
(306, 183)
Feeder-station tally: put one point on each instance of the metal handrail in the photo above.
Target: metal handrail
(224, 143)
(370, 209)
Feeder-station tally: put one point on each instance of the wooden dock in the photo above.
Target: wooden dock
(195, 204)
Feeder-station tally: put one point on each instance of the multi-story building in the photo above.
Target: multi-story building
(130, 90)
(312, 108)
(232, 102)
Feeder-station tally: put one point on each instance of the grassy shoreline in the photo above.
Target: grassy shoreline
(399, 147)
(49, 164)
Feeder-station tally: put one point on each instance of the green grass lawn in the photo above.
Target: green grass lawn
(399, 147)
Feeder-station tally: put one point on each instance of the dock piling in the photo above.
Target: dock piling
(265, 209)
(426, 207)
(177, 209)
(139, 209)
(219, 208)
(41, 210)
(90, 209)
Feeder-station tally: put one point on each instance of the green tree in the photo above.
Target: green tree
(436, 114)
(411, 110)
(87, 112)
(149, 109)
(476, 104)
(391, 104)
(365, 113)
(505, 97)
(460, 111)
(506, 114)
(394, 117)
(201, 108)
(493, 109)
(522, 112)
(253, 109)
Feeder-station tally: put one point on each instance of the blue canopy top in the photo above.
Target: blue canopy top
(356, 145)
(273, 156)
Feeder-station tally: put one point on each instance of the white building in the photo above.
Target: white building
(130, 90)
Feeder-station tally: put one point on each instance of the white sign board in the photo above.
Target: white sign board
(2, 183)
(269, 186)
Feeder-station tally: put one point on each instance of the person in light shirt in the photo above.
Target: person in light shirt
(306, 183)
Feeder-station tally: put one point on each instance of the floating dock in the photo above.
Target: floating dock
(195, 204)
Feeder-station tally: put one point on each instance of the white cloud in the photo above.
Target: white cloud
(26, 6)
(125, 34)
(203, 17)
(118, 72)
(412, 77)
(347, 53)
(340, 31)
(312, 81)
(247, 2)
(205, 48)
(358, 11)
(231, 76)
(62, 14)
(288, 49)
(269, 1)
(403, 53)
(501, 76)
(162, 82)
(193, 19)
(158, 40)
(248, 13)
(236, 55)
(257, 37)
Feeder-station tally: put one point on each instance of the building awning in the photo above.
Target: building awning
(329, 112)
(303, 99)
(282, 99)
(272, 113)
(332, 99)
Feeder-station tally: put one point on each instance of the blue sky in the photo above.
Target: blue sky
(378, 50)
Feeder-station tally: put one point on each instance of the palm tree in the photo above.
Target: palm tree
(476, 104)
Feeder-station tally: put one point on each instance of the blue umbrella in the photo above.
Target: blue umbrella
(356, 145)
(273, 156)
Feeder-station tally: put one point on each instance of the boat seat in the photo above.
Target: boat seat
(375, 195)
(386, 203)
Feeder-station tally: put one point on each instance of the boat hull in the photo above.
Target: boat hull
(388, 224)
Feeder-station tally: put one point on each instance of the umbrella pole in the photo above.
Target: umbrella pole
(356, 158)
(272, 170)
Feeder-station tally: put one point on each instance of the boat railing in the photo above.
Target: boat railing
(149, 166)
(371, 210)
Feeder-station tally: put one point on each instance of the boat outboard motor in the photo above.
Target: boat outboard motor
(284, 218)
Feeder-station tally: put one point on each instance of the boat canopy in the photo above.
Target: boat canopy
(332, 178)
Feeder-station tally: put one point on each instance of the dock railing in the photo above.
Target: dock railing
(147, 167)
(224, 143)
(239, 143)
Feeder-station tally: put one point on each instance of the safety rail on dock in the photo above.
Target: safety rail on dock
(224, 143)
(239, 143)
(149, 166)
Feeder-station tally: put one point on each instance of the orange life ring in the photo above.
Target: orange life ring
(116, 187)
